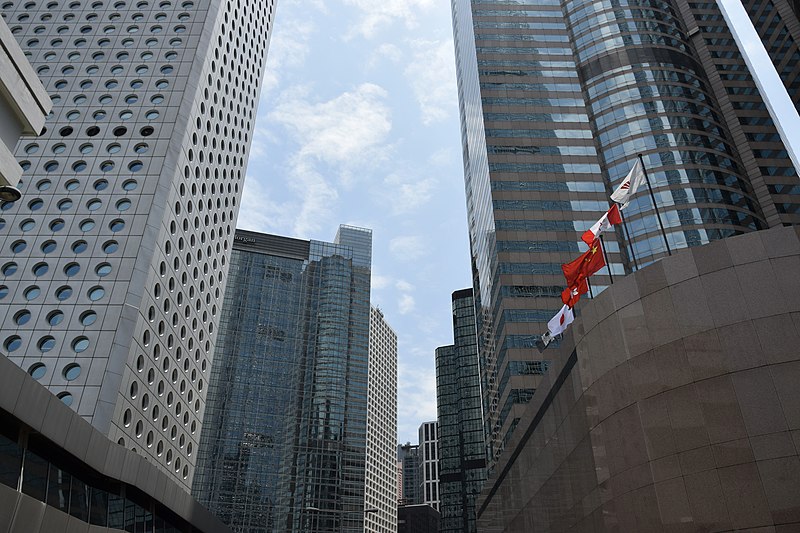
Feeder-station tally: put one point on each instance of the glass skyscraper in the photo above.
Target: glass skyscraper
(462, 448)
(115, 258)
(284, 444)
(557, 100)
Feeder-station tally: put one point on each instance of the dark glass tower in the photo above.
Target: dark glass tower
(285, 442)
(462, 449)
(557, 99)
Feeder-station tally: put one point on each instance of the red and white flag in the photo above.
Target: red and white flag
(611, 217)
(629, 185)
(558, 324)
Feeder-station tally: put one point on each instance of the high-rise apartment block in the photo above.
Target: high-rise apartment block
(557, 100)
(429, 463)
(285, 438)
(116, 255)
(462, 449)
(380, 514)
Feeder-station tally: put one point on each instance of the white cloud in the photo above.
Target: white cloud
(403, 193)
(406, 304)
(378, 281)
(432, 76)
(416, 394)
(346, 131)
(288, 48)
(403, 285)
(259, 212)
(388, 51)
(376, 14)
(407, 248)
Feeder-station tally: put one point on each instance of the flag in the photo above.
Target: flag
(584, 266)
(629, 185)
(558, 324)
(611, 217)
(571, 295)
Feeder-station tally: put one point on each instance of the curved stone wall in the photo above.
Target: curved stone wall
(674, 407)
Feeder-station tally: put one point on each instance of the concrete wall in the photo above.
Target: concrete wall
(677, 410)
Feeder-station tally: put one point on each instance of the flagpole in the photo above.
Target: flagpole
(628, 237)
(589, 284)
(605, 256)
(653, 197)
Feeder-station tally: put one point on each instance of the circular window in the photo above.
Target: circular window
(123, 205)
(150, 115)
(92, 131)
(37, 370)
(22, 317)
(79, 166)
(79, 247)
(43, 185)
(27, 224)
(116, 225)
(162, 84)
(113, 148)
(12, 343)
(87, 148)
(106, 99)
(96, 293)
(71, 269)
(3, 291)
(131, 99)
(66, 131)
(107, 166)
(40, 269)
(34, 205)
(126, 418)
(129, 185)
(63, 292)
(18, 246)
(71, 185)
(88, 318)
(9, 268)
(94, 204)
(46, 344)
(146, 131)
(110, 247)
(100, 185)
(135, 166)
(134, 390)
(126, 115)
(51, 166)
(65, 205)
(65, 397)
(57, 225)
(32, 292)
(32, 148)
(55, 318)
(157, 99)
(79, 344)
(49, 246)
(72, 371)
(86, 224)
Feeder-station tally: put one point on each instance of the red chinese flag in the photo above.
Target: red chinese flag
(571, 295)
(584, 266)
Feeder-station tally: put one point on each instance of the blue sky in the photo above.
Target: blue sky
(358, 124)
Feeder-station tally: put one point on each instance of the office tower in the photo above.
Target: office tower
(409, 455)
(380, 515)
(419, 518)
(777, 24)
(285, 442)
(462, 449)
(556, 101)
(429, 464)
(117, 253)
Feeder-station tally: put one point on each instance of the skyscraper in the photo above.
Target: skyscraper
(116, 255)
(462, 449)
(557, 100)
(285, 438)
(409, 455)
(429, 464)
(380, 515)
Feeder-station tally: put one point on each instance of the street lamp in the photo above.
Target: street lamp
(8, 193)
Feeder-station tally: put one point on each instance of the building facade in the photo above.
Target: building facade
(674, 407)
(117, 253)
(285, 442)
(409, 455)
(462, 449)
(380, 515)
(429, 463)
(557, 100)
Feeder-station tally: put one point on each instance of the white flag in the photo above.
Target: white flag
(558, 324)
(629, 185)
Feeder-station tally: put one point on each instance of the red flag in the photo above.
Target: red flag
(584, 266)
(571, 295)
(611, 217)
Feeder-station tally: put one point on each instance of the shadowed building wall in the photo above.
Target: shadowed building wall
(678, 408)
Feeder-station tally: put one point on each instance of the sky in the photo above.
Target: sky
(358, 124)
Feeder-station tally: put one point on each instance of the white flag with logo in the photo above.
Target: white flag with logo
(558, 324)
(629, 185)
